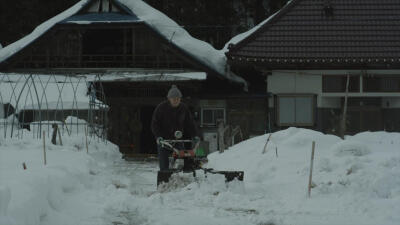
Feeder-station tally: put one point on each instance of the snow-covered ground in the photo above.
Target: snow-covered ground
(356, 181)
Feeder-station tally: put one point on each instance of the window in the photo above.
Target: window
(337, 83)
(373, 83)
(295, 110)
(110, 43)
(210, 116)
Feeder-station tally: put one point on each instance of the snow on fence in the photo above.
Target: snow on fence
(32, 103)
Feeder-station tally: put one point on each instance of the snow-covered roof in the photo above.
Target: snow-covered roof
(161, 77)
(169, 29)
(15, 47)
(238, 38)
(70, 92)
(166, 27)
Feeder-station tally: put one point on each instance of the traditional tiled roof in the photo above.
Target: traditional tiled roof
(322, 34)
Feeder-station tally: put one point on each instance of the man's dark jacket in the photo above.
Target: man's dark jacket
(167, 119)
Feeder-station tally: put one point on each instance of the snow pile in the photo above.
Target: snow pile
(52, 193)
(355, 179)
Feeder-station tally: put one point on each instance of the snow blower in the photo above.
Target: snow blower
(191, 159)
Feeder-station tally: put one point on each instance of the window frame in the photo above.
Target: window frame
(381, 84)
(353, 87)
(214, 124)
(301, 124)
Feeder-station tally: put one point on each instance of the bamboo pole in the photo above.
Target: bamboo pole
(265, 146)
(44, 148)
(86, 134)
(343, 126)
(311, 169)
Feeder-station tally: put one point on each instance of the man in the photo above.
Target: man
(170, 116)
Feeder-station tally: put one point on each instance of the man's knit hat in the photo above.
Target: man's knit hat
(174, 92)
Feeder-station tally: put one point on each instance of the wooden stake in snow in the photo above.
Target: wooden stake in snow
(24, 165)
(86, 134)
(66, 127)
(59, 136)
(54, 136)
(276, 152)
(311, 169)
(44, 148)
(265, 146)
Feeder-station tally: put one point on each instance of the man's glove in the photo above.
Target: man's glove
(159, 140)
(196, 140)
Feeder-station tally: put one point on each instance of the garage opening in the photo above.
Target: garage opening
(147, 139)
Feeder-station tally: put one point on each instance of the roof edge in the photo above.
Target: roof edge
(228, 76)
(268, 23)
(17, 46)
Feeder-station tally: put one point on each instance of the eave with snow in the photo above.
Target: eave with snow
(307, 50)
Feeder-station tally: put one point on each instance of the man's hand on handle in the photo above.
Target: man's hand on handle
(196, 140)
(159, 140)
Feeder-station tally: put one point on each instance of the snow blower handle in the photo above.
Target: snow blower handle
(168, 144)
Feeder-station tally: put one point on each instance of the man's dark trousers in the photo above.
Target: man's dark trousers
(163, 158)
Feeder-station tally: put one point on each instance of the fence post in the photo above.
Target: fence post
(221, 140)
(86, 134)
(54, 136)
(59, 136)
(311, 169)
(44, 148)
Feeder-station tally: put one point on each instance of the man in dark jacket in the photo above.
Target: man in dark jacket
(170, 116)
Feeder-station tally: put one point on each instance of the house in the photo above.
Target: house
(137, 53)
(317, 53)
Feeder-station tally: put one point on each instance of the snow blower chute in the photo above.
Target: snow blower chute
(191, 161)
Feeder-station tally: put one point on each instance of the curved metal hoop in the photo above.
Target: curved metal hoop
(32, 103)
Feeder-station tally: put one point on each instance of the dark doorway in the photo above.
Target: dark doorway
(365, 118)
(147, 139)
(124, 127)
(364, 114)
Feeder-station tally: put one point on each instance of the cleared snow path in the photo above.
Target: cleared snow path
(129, 179)
(207, 201)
